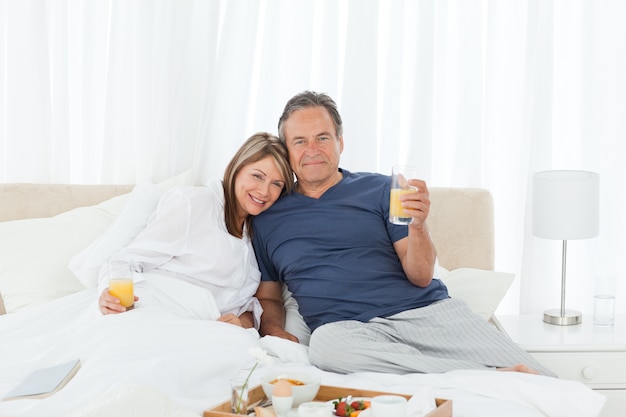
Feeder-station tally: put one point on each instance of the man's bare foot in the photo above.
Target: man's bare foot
(520, 367)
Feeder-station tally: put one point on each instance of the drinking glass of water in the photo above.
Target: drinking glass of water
(604, 300)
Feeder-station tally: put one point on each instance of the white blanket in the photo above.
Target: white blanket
(168, 357)
(474, 392)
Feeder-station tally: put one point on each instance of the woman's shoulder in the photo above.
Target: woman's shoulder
(211, 190)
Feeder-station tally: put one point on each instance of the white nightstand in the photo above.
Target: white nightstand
(593, 355)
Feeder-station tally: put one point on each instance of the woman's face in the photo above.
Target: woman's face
(257, 186)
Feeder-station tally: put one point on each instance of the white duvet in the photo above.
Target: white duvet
(168, 357)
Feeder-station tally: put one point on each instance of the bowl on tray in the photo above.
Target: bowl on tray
(304, 385)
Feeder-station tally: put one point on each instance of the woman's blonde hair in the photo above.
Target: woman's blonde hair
(255, 148)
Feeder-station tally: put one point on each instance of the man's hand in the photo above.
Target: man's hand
(417, 204)
(284, 334)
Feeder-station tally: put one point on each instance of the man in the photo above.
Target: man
(364, 286)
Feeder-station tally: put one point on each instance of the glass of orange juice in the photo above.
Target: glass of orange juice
(400, 176)
(121, 283)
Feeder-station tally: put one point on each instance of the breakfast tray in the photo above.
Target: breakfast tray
(327, 393)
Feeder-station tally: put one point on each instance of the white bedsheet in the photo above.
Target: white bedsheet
(474, 392)
(168, 357)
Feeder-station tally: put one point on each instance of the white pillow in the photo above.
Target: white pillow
(132, 219)
(35, 252)
(294, 322)
(482, 290)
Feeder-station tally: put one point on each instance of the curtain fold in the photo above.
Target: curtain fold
(475, 93)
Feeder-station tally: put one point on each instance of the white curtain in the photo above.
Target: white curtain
(478, 93)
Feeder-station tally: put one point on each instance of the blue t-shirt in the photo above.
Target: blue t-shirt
(336, 253)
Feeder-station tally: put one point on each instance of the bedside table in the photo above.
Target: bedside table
(593, 355)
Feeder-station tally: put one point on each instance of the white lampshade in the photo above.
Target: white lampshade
(566, 204)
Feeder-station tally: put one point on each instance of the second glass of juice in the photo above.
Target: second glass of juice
(400, 176)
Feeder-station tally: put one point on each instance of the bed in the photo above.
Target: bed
(168, 357)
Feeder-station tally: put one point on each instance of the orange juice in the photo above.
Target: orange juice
(122, 288)
(395, 206)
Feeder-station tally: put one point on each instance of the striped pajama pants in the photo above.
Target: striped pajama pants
(441, 337)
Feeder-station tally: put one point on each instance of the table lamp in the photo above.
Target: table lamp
(565, 207)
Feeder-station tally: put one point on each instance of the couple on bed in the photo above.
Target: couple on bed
(364, 286)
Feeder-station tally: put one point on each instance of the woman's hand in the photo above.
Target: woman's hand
(109, 304)
(230, 318)
(245, 320)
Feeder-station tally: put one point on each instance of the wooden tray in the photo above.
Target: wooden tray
(327, 393)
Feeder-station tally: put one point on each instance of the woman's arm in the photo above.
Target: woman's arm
(163, 238)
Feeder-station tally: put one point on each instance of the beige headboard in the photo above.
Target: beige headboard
(28, 201)
(460, 220)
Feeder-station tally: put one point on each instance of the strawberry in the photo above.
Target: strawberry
(357, 405)
(341, 409)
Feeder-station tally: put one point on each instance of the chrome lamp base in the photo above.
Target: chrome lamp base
(563, 317)
(568, 318)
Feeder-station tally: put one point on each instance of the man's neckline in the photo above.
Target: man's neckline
(317, 195)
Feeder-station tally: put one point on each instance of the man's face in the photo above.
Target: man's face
(314, 148)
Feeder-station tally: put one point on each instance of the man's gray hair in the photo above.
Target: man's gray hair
(310, 99)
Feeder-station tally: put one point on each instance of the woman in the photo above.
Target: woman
(201, 235)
